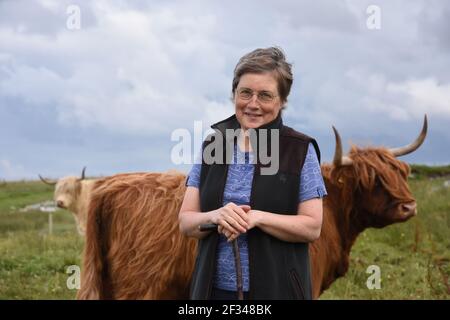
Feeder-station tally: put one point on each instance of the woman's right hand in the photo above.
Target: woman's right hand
(232, 219)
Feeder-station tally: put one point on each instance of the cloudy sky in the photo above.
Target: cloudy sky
(104, 84)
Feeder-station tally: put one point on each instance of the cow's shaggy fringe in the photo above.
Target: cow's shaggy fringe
(372, 163)
(121, 228)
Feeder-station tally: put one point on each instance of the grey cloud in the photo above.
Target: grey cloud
(109, 95)
(434, 24)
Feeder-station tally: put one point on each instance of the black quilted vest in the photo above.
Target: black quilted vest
(278, 269)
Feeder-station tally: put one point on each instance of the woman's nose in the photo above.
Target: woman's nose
(253, 102)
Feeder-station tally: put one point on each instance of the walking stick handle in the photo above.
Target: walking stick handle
(208, 227)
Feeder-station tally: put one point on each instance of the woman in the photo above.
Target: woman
(272, 216)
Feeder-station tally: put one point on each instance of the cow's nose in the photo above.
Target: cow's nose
(410, 208)
(59, 204)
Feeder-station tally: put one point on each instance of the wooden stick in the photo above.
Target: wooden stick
(237, 258)
(237, 262)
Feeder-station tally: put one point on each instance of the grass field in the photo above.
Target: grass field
(414, 257)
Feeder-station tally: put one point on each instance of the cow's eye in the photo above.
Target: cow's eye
(377, 183)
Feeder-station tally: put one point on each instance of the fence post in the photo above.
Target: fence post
(50, 223)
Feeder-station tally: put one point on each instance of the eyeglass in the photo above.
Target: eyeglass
(263, 96)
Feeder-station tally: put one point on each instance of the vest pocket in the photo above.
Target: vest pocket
(298, 288)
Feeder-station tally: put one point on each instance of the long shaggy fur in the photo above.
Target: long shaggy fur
(134, 249)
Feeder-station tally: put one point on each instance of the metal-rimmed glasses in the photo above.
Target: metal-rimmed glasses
(263, 96)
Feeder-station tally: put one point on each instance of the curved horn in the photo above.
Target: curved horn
(82, 173)
(339, 159)
(52, 183)
(413, 146)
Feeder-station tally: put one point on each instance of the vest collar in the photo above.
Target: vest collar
(233, 123)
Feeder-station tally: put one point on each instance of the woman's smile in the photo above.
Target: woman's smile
(252, 116)
(251, 112)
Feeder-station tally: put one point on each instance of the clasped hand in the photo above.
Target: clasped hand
(233, 219)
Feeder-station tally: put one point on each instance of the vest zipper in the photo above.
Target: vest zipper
(250, 251)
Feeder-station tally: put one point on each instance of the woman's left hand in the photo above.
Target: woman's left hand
(253, 216)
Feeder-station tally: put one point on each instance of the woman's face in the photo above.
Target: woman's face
(253, 112)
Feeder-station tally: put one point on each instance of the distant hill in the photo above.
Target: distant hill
(423, 171)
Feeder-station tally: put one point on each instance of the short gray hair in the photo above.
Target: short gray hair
(270, 60)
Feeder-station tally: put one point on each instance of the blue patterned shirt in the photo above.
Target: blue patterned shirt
(238, 190)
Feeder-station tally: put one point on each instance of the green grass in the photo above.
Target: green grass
(414, 257)
(33, 263)
(15, 195)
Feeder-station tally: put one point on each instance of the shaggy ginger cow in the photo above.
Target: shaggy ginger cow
(366, 189)
(72, 193)
(134, 249)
